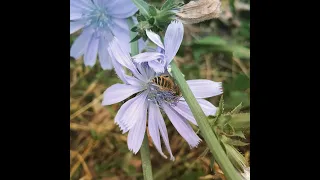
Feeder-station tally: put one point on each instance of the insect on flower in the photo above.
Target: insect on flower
(154, 94)
(166, 83)
(198, 11)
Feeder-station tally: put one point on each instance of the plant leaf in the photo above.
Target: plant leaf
(235, 142)
(236, 109)
(135, 38)
(240, 122)
(220, 109)
(143, 7)
(134, 29)
(212, 40)
(167, 5)
(152, 11)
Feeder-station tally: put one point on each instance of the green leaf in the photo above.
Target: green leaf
(164, 172)
(236, 97)
(232, 6)
(220, 109)
(235, 142)
(240, 83)
(165, 17)
(134, 29)
(239, 134)
(223, 120)
(237, 159)
(152, 11)
(204, 153)
(135, 38)
(151, 21)
(240, 121)
(94, 134)
(191, 175)
(140, 18)
(167, 5)
(212, 40)
(236, 109)
(240, 52)
(212, 163)
(143, 7)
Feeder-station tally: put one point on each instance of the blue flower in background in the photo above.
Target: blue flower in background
(100, 21)
(150, 100)
(164, 54)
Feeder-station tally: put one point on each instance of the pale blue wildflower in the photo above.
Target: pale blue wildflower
(149, 101)
(100, 21)
(160, 60)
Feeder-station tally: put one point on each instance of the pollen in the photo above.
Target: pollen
(98, 19)
(159, 96)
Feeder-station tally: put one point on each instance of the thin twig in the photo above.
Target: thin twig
(84, 108)
(242, 66)
(91, 144)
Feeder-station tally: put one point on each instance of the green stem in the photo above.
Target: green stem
(145, 158)
(207, 133)
(134, 45)
(144, 150)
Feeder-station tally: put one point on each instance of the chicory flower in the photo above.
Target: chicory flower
(150, 100)
(100, 21)
(160, 60)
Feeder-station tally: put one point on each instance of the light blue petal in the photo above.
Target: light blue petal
(146, 71)
(142, 44)
(132, 112)
(118, 68)
(157, 66)
(80, 44)
(119, 92)
(154, 38)
(156, 124)
(150, 72)
(173, 39)
(182, 126)
(123, 57)
(207, 107)
(183, 109)
(147, 56)
(120, 29)
(203, 88)
(75, 16)
(134, 81)
(104, 57)
(154, 116)
(76, 25)
(121, 8)
(100, 3)
(90, 56)
(136, 134)
(83, 5)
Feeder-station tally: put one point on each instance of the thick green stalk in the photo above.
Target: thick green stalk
(144, 150)
(204, 126)
(145, 158)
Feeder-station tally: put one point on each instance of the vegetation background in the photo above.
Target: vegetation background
(217, 49)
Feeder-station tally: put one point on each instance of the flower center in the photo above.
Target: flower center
(159, 95)
(98, 19)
